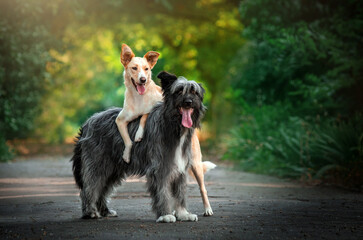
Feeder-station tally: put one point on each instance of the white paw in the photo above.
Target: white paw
(208, 211)
(187, 217)
(111, 213)
(139, 134)
(95, 215)
(166, 219)
(92, 215)
(126, 154)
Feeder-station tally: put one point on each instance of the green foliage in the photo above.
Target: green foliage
(299, 82)
(60, 59)
(88, 77)
(22, 71)
(5, 153)
(301, 53)
(294, 148)
(23, 47)
(290, 72)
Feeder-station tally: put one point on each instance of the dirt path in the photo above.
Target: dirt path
(38, 200)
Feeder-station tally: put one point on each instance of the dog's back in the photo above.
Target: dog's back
(100, 144)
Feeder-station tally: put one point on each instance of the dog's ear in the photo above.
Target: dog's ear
(202, 90)
(126, 55)
(152, 57)
(167, 79)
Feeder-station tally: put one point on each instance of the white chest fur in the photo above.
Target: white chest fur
(136, 105)
(179, 159)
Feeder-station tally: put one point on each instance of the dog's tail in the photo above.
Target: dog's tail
(207, 165)
(77, 161)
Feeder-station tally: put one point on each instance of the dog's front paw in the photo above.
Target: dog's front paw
(208, 211)
(111, 213)
(187, 217)
(139, 134)
(126, 154)
(108, 213)
(184, 215)
(166, 219)
(91, 215)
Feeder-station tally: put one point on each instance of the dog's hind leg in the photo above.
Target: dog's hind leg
(140, 130)
(178, 189)
(89, 196)
(197, 169)
(102, 203)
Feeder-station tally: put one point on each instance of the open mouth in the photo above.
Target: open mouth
(186, 116)
(140, 88)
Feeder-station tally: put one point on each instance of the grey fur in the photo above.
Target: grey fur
(183, 83)
(98, 165)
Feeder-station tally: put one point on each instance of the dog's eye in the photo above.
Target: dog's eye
(134, 68)
(193, 92)
(146, 69)
(180, 92)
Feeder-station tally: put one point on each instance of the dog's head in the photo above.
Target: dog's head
(183, 98)
(137, 69)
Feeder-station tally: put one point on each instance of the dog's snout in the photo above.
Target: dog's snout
(188, 102)
(142, 80)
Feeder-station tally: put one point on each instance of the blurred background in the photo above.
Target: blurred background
(283, 78)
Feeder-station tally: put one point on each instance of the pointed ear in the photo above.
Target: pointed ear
(126, 55)
(152, 57)
(167, 79)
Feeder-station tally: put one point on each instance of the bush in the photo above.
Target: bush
(5, 153)
(263, 142)
(25, 39)
(299, 82)
(267, 141)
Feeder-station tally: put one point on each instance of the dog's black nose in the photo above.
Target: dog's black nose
(143, 80)
(188, 102)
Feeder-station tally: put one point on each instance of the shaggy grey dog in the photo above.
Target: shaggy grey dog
(163, 155)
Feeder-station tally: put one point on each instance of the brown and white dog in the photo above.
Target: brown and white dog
(140, 97)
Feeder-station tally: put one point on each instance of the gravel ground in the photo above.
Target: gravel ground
(39, 200)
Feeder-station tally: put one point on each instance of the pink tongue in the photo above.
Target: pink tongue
(140, 89)
(187, 120)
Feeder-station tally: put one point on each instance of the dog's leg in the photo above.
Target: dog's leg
(197, 168)
(102, 203)
(122, 127)
(140, 130)
(89, 196)
(160, 196)
(178, 188)
(199, 176)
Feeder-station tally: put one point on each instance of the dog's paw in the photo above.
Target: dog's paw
(139, 134)
(166, 219)
(111, 213)
(184, 215)
(126, 158)
(126, 154)
(108, 213)
(208, 212)
(92, 215)
(187, 217)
